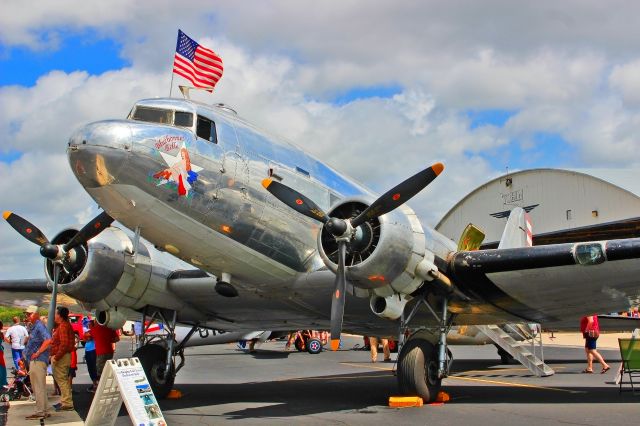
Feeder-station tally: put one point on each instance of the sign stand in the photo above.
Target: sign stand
(124, 380)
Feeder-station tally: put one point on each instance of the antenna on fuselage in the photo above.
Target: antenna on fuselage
(185, 91)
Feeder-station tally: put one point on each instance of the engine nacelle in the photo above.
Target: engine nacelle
(384, 253)
(388, 307)
(111, 275)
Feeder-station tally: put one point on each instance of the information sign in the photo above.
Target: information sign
(124, 380)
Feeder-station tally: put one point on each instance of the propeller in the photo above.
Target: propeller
(343, 230)
(64, 256)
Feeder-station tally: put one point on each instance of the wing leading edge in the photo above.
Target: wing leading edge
(552, 283)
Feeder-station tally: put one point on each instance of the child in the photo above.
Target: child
(22, 369)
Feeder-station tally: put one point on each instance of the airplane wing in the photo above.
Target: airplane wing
(26, 286)
(616, 323)
(545, 283)
(25, 292)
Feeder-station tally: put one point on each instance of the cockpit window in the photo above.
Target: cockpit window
(184, 119)
(162, 116)
(207, 129)
(152, 115)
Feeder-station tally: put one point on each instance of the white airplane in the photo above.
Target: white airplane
(283, 242)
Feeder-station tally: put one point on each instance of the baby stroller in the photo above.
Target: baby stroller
(19, 387)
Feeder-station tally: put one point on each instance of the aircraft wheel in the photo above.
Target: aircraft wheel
(153, 359)
(299, 344)
(314, 346)
(418, 370)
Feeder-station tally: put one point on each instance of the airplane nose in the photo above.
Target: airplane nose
(112, 134)
(98, 151)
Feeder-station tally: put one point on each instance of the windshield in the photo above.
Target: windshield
(163, 116)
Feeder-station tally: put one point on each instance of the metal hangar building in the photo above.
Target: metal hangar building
(564, 205)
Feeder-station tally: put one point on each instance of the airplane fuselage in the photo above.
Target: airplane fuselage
(216, 215)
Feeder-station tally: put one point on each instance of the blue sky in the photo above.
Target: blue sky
(77, 52)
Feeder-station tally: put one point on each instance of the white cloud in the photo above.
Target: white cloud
(625, 78)
(42, 189)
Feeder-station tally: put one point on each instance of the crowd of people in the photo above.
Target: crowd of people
(37, 350)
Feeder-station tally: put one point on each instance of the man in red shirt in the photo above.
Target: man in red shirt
(63, 343)
(105, 339)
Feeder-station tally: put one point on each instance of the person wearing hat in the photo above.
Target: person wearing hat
(37, 354)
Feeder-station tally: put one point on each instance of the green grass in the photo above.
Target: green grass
(6, 314)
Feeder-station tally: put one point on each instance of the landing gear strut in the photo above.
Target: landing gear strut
(424, 359)
(157, 352)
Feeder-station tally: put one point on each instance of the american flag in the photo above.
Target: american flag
(201, 66)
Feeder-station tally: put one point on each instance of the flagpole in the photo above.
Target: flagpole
(171, 87)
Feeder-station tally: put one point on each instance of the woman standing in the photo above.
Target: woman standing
(3, 367)
(590, 332)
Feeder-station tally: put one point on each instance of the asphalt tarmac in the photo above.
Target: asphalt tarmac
(225, 385)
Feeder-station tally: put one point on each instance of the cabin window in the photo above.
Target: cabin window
(207, 129)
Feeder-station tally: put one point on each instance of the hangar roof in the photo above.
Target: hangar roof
(591, 204)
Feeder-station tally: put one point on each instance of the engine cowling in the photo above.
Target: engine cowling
(108, 274)
(384, 253)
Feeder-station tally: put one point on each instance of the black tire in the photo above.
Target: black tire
(299, 344)
(314, 346)
(153, 359)
(418, 370)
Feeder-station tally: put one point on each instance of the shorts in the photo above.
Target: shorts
(72, 371)
(101, 361)
(590, 342)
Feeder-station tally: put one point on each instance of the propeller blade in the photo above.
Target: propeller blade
(90, 230)
(398, 195)
(25, 228)
(54, 296)
(295, 200)
(337, 302)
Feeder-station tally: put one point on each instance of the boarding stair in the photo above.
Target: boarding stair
(526, 347)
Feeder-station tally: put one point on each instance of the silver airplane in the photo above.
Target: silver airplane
(282, 242)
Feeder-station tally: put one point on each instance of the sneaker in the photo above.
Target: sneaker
(65, 408)
(57, 406)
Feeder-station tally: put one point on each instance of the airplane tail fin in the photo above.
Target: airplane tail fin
(517, 232)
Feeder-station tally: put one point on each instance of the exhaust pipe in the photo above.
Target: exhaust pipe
(390, 307)
(115, 317)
